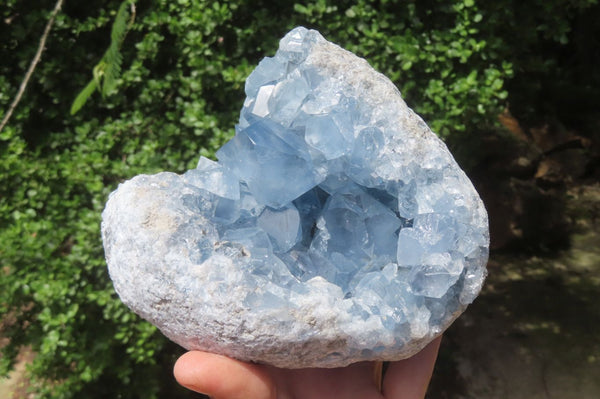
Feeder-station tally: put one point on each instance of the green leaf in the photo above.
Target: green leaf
(113, 57)
(299, 8)
(108, 69)
(83, 96)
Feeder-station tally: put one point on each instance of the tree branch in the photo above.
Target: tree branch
(32, 66)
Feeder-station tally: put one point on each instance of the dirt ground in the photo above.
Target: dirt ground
(15, 386)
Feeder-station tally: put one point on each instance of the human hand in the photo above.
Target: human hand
(223, 378)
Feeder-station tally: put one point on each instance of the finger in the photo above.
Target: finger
(351, 382)
(223, 378)
(409, 378)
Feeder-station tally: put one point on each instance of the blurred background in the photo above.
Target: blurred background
(130, 87)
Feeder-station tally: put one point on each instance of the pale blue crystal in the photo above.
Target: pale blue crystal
(282, 226)
(254, 240)
(438, 275)
(273, 161)
(287, 97)
(214, 178)
(410, 249)
(268, 72)
(296, 44)
(324, 135)
(335, 227)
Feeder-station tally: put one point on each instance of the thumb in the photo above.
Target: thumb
(223, 378)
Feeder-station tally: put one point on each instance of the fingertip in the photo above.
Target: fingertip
(223, 378)
(188, 370)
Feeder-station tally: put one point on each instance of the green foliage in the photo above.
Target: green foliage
(108, 70)
(83, 96)
(177, 97)
(113, 57)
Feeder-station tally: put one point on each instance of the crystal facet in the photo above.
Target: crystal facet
(334, 228)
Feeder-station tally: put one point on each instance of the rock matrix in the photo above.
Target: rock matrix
(334, 228)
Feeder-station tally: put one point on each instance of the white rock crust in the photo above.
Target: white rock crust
(173, 262)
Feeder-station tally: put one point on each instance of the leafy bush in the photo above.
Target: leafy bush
(181, 86)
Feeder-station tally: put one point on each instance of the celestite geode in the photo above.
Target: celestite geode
(335, 227)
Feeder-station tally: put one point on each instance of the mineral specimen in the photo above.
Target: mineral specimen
(335, 227)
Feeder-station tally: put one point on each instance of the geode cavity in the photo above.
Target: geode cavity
(335, 227)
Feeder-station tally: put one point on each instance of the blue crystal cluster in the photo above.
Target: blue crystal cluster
(331, 189)
(298, 184)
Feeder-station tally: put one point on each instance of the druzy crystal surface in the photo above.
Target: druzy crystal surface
(334, 228)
